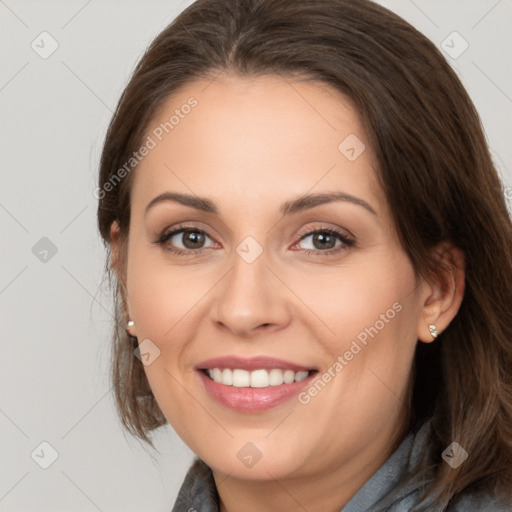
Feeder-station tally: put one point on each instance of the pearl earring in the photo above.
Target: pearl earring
(433, 330)
(133, 339)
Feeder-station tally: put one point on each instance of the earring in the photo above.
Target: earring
(433, 330)
(133, 339)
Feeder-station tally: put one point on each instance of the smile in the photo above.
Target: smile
(255, 384)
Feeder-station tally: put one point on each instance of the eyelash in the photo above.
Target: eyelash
(346, 241)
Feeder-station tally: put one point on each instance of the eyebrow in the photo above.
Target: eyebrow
(288, 208)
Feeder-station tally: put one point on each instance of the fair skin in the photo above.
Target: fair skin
(250, 145)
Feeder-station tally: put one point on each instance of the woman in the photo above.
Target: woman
(312, 257)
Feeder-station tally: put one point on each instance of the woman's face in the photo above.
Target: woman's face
(287, 262)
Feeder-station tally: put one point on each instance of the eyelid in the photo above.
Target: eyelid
(323, 227)
(165, 235)
(182, 226)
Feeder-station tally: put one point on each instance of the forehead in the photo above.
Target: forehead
(253, 138)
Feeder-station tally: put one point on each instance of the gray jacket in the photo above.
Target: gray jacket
(383, 492)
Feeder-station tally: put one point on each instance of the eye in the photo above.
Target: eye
(191, 241)
(185, 240)
(324, 241)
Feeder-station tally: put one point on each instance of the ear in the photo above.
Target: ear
(118, 265)
(115, 249)
(443, 292)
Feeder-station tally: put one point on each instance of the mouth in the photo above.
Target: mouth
(253, 385)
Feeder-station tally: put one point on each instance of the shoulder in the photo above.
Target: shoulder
(476, 501)
(198, 491)
(472, 499)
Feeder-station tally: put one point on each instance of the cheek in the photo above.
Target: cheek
(360, 300)
(363, 300)
(374, 315)
(161, 295)
(371, 313)
(164, 299)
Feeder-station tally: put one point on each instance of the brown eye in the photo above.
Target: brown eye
(193, 239)
(325, 241)
(185, 241)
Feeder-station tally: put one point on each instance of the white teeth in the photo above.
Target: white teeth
(276, 377)
(255, 379)
(300, 376)
(289, 376)
(241, 378)
(227, 377)
(259, 379)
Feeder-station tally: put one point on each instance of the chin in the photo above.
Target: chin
(253, 461)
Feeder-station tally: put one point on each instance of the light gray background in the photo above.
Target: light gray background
(56, 314)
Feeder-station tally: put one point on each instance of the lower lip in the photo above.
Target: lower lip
(253, 399)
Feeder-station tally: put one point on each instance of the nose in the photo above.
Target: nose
(251, 299)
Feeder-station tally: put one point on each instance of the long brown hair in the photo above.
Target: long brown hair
(434, 167)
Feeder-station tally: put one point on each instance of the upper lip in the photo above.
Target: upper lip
(252, 363)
